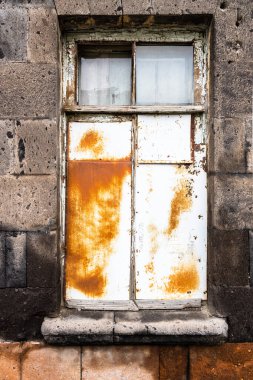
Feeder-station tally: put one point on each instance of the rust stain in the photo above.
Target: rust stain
(70, 92)
(150, 268)
(93, 209)
(185, 278)
(91, 141)
(181, 202)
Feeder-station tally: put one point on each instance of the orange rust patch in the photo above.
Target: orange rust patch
(91, 141)
(181, 202)
(93, 209)
(150, 267)
(184, 279)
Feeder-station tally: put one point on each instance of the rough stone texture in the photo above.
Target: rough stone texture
(10, 361)
(2, 260)
(125, 362)
(28, 3)
(77, 7)
(42, 260)
(232, 206)
(131, 327)
(249, 145)
(73, 327)
(231, 146)
(28, 90)
(13, 34)
(30, 201)
(227, 362)
(6, 146)
(228, 261)
(43, 362)
(173, 363)
(42, 35)
(36, 146)
(235, 303)
(23, 310)
(15, 260)
(232, 90)
(251, 257)
(86, 7)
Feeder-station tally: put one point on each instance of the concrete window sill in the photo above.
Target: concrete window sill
(100, 327)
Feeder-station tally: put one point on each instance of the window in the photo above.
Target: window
(134, 203)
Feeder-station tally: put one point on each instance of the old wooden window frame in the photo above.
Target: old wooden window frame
(72, 111)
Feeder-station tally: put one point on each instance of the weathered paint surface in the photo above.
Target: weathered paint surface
(170, 229)
(99, 217)
(108, 141)
(164, 138)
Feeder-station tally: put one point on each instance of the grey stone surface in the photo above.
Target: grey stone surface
(27, 203)
(2, 260)
(228, 258)
(79, 327)
(232, 202)
(236, 304)
(105, 7)
(7, 144)
(230, 146)
(130, 325)
(42, 35)
(23, 310)
(251, 257)
(233, 87)
(36, 146)
(86, 7)
(249, 145)
(77, 7)
(42, 260)
(15, 260)
(13, 34)
(27, 3)
(138, 8)
(28, 90)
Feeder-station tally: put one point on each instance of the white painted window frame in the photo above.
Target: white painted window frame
(72, 111)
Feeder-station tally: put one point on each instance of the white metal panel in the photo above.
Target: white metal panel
(165, 138)
(100, 141)
(170, 231)
(98, 224)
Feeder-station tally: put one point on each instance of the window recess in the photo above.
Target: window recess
(134, 188)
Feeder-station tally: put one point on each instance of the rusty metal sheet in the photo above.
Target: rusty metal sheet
(165, 138)
(100, 141)
(98, 225)
(170, 231)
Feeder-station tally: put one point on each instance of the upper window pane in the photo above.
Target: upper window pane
(164, 75)
(105, 75)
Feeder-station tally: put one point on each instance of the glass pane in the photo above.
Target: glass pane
(164, 74)
(105, 75)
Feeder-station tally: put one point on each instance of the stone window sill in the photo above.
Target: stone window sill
(156, 326)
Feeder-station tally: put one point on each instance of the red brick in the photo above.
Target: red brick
(42, 362)
(173, 363)
(118, 363)
(10, 361)
(227, 362)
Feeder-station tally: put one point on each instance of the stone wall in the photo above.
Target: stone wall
(34, 360)
(29, 160)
